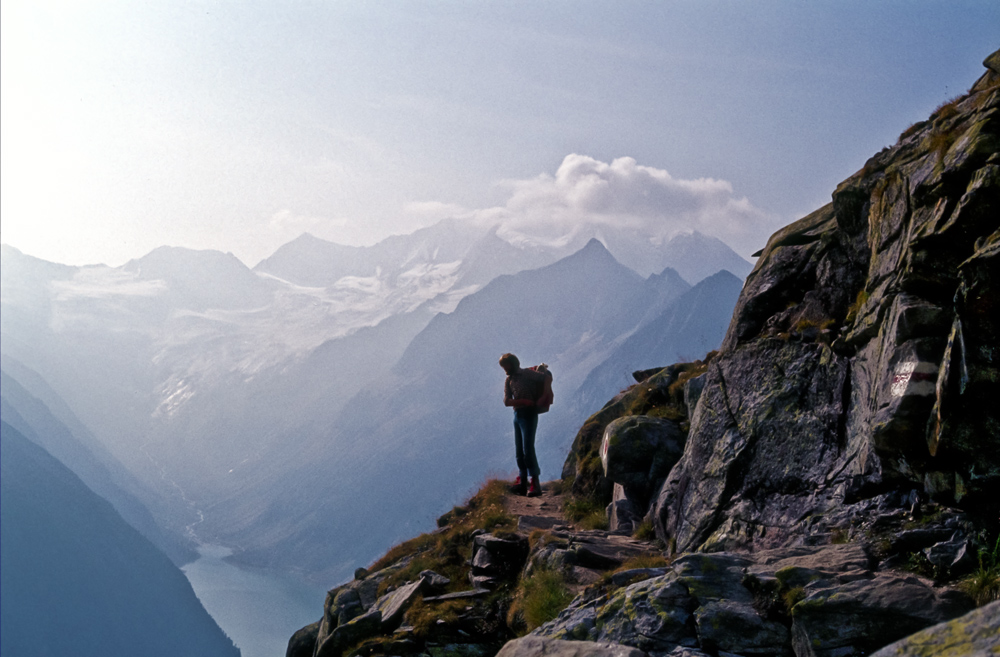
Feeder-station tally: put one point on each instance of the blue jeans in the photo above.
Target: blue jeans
(525, 424)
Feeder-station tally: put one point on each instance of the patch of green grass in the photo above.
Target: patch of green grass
(947, 109)
(645, 531)
(577, 509)
(912, 129)
(792, 597)
(594, 520)
(925, 519)
(586, 513)
(539, 538)
(983, 586)
(405, 549)
(940, 141)
(695, 369)
(424, 616)
(839, 536)
(917, 563)
(644, 561)
(854, 308)
(538, 600)
(447, 550)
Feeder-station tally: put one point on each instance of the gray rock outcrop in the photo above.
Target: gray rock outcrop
(861, 354)
(806, 601)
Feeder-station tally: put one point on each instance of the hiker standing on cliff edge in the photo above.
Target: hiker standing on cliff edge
(528, 391)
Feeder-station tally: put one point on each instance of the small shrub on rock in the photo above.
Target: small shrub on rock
(446, 550)
(645, 531)
(538, 600)
(983, 586)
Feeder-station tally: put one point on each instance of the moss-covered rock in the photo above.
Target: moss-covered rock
(976, 633)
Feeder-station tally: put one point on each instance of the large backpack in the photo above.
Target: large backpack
(547, 398)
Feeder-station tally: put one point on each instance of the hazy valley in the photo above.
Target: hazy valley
(332, 400)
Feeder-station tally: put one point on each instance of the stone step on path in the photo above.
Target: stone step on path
(543, 512)
(589, 552)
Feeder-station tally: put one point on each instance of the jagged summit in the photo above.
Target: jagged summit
(593, 255)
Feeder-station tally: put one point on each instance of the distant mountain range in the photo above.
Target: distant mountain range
(264, 409)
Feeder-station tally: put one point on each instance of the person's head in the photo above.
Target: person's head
(510, 363)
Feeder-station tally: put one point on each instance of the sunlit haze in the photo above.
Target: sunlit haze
(239, 126)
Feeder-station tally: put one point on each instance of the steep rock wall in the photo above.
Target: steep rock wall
(861, 362)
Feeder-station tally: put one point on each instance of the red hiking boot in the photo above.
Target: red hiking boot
(519, 487)
(535, 489)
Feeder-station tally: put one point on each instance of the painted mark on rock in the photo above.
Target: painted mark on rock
(914, 378)
(605, 444)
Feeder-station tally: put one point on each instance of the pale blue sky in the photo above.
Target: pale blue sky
(237, 125)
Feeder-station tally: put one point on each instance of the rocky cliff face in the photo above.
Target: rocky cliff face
(860, 369)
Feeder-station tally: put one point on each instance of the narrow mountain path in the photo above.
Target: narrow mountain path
(543, 512)
(594, 551)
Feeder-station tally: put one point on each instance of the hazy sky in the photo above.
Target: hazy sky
(238, 125)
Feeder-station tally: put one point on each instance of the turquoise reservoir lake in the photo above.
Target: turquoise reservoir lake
(259, 611)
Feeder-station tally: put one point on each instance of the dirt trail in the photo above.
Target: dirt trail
(594, 551)
(544, 512)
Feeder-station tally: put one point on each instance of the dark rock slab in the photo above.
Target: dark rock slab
(726, 625)
(623, 577)
(458, 595)
(393, 605)
(859, 617)
(976, 633)
(303, 642)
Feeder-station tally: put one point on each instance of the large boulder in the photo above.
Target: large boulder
(637, 452)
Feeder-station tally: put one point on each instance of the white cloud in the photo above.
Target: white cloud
(586, 194)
